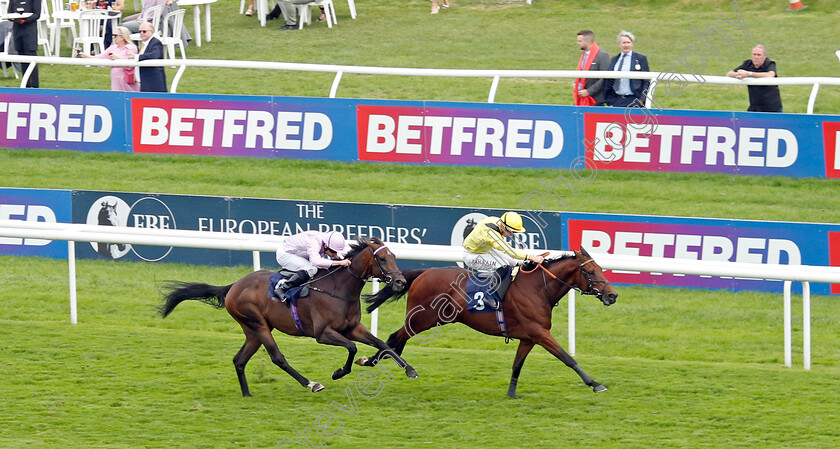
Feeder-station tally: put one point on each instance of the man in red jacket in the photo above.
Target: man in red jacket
(590, 91)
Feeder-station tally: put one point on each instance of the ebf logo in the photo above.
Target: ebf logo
(147, 212)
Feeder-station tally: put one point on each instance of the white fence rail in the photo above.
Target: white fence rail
(256, 243)
(494, 75)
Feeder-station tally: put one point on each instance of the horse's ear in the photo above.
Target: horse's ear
(583, 251)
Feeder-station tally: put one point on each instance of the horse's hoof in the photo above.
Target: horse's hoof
(599, 388)
(512, 395)
(338, 374)
(362, 361)
(315, 386)
(411, 373)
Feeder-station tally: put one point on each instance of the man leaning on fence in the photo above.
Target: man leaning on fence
(762, 98)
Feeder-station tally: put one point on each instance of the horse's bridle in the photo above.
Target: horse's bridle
(388, 276)
(590, 289)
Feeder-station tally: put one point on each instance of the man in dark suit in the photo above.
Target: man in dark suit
(152, 79)
(625, 92)
(25, 33)
(590, 91)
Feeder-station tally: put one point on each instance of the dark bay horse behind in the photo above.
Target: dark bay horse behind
(437, 296)
(330, 313)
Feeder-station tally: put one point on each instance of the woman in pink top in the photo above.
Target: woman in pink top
(122, 48)
(305, 253)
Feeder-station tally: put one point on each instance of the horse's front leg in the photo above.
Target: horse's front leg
(522, 351)
(548, 342)
(331, 337)
(362, 335)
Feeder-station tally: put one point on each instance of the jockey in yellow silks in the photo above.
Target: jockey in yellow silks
(486, 250)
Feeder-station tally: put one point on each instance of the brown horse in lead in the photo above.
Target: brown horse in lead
(437, 296)
(331, 313)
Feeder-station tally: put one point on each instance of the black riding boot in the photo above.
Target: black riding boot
(294, 281)
(504, 277)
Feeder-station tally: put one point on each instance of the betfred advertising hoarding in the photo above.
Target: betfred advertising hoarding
(439, 133)
(420, 132)
(264, 127)
(708, 142)
(63, 119)
(757, 242)
(48, 206)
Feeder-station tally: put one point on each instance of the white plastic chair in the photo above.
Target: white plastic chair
(156, 12)
(173, 25)
(305, 12)
(91, 31)
(43, 34)
(4, 65)
(58, 24)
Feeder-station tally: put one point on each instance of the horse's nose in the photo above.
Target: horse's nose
(610, 298)
(399, 284)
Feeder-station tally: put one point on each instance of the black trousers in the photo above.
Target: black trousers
(625, 101)
(26, 44)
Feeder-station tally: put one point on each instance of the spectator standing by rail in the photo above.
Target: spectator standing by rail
(625, 92)
(590, 91)
(762, 98)
(152, 79)
(122, 48)
(25, 33)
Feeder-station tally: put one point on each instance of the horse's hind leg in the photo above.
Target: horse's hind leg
(252, 344)
(550, 344)
(362, 335)
(277, 357)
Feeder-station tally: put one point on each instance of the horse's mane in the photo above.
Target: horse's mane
(565, 256)
(359, 245)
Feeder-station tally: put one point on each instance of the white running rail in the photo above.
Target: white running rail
(494, 75)
(257, 243)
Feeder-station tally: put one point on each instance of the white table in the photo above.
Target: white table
(197, 16)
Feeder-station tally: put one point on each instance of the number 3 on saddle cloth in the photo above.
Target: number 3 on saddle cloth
(292, 295)
(484, 288)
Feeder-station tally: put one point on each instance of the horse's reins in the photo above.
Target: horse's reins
(387, 274)
(590, 289)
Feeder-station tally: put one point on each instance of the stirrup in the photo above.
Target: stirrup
(280, 292)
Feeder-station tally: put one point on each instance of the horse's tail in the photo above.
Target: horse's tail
(182, 291)
(388, 293)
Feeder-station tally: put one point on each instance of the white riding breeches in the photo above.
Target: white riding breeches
(293, 262)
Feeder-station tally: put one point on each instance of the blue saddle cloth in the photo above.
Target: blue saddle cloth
(293, 293)
(480, 286)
